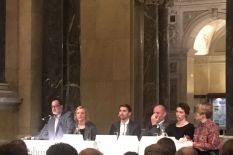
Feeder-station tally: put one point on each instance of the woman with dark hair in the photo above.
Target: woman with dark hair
(181, 129)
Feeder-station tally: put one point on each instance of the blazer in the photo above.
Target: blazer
(150, 130)
(90, 131)
(65, 125)
(133, 128)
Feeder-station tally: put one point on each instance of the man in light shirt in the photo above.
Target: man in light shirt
(125, 125)
(58, 124)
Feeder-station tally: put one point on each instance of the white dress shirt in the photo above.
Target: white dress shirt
(123, 127)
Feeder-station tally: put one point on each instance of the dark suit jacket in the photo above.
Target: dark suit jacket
(133, 128)
(150, 130)
(89, 131)
(65, 126)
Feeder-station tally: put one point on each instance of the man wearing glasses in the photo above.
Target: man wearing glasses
(58, 124)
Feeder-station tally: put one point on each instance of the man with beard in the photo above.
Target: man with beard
(125, 126)
(59, 123)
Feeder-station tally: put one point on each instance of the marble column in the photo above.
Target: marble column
(61, 54)
(7, 97)
(229, 69)
(151, 59)
(138, 36)
(164, 79)
(9, 100)
(156, 85)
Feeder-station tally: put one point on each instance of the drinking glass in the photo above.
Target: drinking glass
(87, 134)
(116, 133)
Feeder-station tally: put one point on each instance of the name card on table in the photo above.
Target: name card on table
(105, 138)
(72, 137)
(128, 138)
(127, 143)
(106, 144)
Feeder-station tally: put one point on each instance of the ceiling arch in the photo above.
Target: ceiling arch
(197, 25)
(208, 35)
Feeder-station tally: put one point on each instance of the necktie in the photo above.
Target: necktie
(55, 125)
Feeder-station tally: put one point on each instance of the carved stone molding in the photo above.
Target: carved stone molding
(154, 2)
(167, 3)
(188, 16)
(8, 98)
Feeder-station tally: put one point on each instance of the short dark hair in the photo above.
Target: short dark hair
(90, 151)
(16, 147)
(168, 144)
(57, 99)
(227, 148)
(126, 106)
(61, 149)
(184, 106)
(130, 153)
(154, 149)
(186, 151)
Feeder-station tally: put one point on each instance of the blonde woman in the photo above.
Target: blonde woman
(83, 125)
(206, 136)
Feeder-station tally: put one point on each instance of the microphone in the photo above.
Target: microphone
(46, 118)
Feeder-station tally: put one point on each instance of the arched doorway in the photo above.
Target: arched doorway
(205, 42)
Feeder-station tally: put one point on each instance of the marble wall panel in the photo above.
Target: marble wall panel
(61, 54)
(151, 52)
(2, 39)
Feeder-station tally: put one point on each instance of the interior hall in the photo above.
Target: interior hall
(104, 53)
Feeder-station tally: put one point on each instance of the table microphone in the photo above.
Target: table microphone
(46, 117)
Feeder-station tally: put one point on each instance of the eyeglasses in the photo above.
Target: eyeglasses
(55, 106)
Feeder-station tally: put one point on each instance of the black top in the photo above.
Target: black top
(89, 132)
(179, 132)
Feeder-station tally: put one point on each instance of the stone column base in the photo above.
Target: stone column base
(9, 102)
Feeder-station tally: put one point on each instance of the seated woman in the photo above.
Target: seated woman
(182, 129)
(206, 135)
(83, 125)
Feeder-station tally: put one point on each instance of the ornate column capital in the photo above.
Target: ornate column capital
(167, 3)
(154, 2)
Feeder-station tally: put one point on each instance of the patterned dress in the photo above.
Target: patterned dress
(207, 136)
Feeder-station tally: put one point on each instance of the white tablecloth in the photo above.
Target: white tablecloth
(107, 145)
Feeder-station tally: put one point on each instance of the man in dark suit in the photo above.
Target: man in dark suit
(158, 122)
(125, 126)
(60, 123)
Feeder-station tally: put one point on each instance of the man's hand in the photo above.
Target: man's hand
(154, 119)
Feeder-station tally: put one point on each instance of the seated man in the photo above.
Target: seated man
(60, 123)
(125, 126)
(158, 121)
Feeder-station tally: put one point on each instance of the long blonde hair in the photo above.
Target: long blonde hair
(86, 112)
